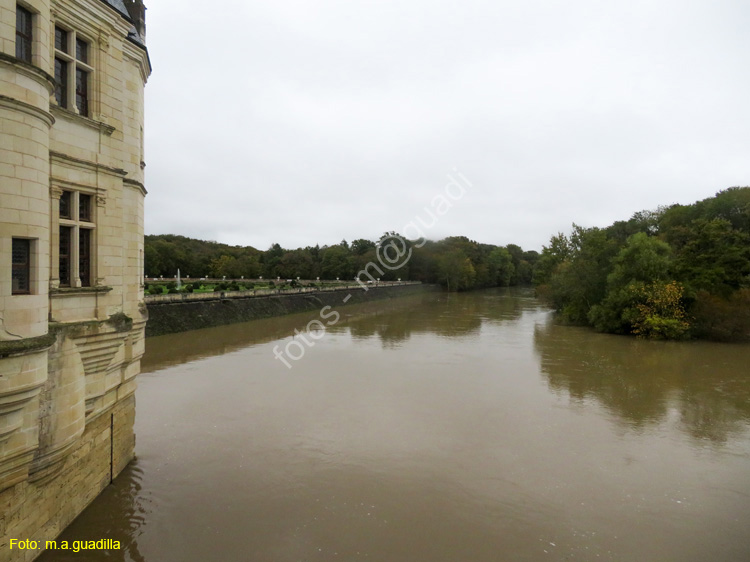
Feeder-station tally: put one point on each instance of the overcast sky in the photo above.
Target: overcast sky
(303, 122)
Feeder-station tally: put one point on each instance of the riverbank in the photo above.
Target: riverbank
(188, 313)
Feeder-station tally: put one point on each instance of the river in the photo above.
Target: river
(463, 427)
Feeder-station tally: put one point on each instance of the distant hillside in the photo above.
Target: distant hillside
(166, 253)
(456, 262)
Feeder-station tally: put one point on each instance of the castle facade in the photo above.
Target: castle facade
(72, 77)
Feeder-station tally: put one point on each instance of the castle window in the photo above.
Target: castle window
(82, 51)
(21, 276)
(65, 205)
(84, 256)
(76, 247)
(84, 207)
(61, 82)
(82, 91)
(72, 71)
(61, 40)
(23, 33)
(65, 247)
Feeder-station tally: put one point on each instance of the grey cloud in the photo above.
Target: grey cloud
(308, 122)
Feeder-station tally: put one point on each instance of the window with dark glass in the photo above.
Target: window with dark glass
(77, 239)
(82, 91)
(82, 51)
(65, 205)
(84, 257)
(21, 276)
(72, 71)
(61, 40)
(84, 207)
(65, 247)
(61, 82)
(61, 68)
(23, 33)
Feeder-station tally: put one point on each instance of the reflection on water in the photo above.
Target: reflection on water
(439, 428)
(447, 315)
(176, 349)
(119, 513)
(642, 382)
(392, 321)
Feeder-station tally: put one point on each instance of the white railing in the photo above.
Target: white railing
(218, 295)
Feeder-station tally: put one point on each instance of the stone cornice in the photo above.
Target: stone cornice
(59, 156)
(136, 184)
(87, 15)
(27, 108)
(138, 54)
(94, 124)
(26, 345)
(61, 184)
(120, 322)
(33, 72)
(78, 291)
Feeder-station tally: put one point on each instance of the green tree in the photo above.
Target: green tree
(643, 261)
(558, 252)
(225, 266)
(249, 266)
(393, 253)
(296, 263)
(153, 265)
(455, 270)
(270, 261)
(501, 266)
(712, 255)
(644, 258)
(361, 246)
(336, 262)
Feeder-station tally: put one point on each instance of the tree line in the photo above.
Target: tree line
(676, 272)
(457, 262)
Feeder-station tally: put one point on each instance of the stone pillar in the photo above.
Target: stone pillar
(54, 265)
(75, 270)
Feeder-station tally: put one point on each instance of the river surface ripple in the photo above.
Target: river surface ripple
(442, 427)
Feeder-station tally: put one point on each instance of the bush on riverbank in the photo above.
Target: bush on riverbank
(677, 272)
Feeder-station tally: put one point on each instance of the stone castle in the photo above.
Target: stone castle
(72, 77)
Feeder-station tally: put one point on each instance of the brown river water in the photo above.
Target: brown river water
(466, 427)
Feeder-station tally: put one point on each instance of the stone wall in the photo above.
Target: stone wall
(67, 410)
(180, 317)
(40, 509)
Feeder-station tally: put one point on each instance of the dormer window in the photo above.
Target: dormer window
(23, 33)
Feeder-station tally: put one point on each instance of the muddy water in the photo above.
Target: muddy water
(437, 428)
